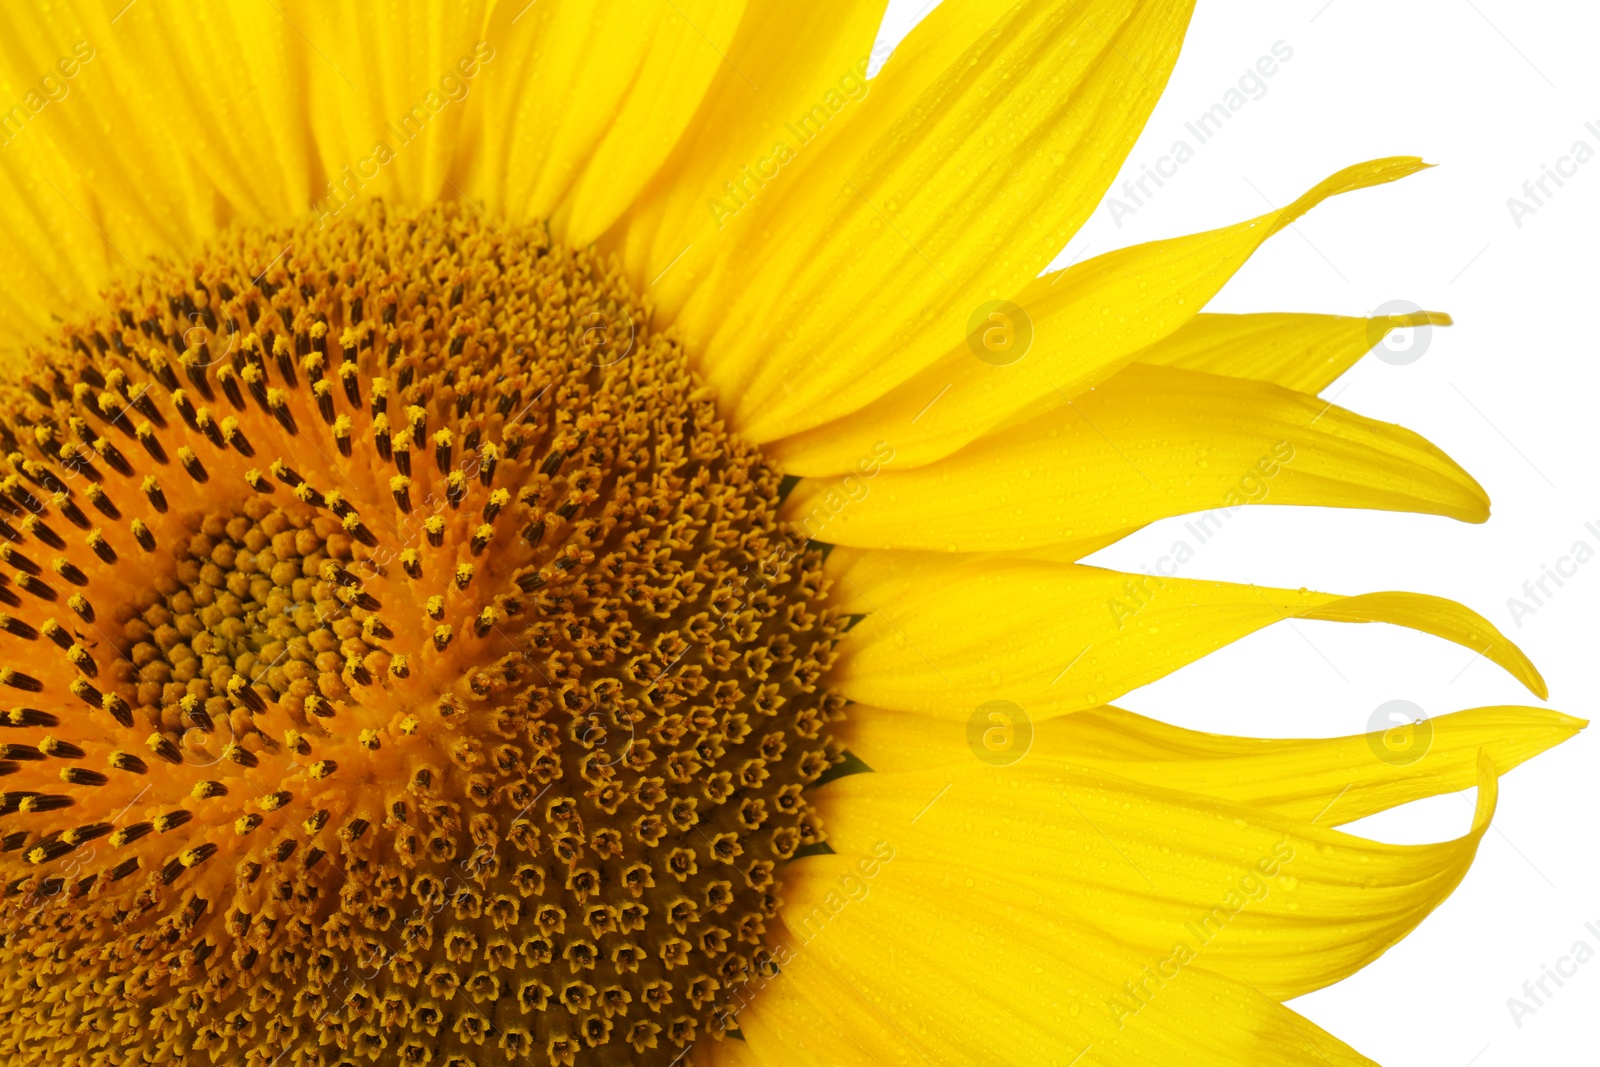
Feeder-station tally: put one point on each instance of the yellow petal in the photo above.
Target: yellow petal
(561, 109)
(982, 145)
(887, 575)
(1251, 894)
(1151, 442)
(1300, 352)
(1327, 781)
(805, 1017)
(793, 70)
(127, 138)
(1088, 321)
(1332, 781)
(392, 89)
(585, 101)
(1055, 638)
(917, 963)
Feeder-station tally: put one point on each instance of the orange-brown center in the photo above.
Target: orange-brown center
(410, 665)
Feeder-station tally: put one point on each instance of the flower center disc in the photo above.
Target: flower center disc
(413, 665)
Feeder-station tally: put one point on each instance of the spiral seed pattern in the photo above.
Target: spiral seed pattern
(410, 666)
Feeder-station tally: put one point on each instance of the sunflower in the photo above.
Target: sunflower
(548, 533)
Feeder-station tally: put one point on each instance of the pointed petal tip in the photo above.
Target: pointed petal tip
(1519, 666)
(1530, 717)
(1420, 318)
(1359, 176)
(1570, 724)
(1477, 513)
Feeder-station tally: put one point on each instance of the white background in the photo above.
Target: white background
(1491, 90)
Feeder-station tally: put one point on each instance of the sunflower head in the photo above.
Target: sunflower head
(361, 572)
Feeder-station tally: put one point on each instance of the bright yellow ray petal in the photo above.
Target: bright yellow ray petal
(585, 100)
(887, 575)
(1056, 638)
(858, 269)
(122, 140)
(807, 1018)
(1149, 443)
(246, 133)
(561, 109)
(1088, 321)
(730, 1053)
(1328, 781)
(1300, 352)
(920, 963)
(392, 90)
(786, 62)
(1258, 896)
